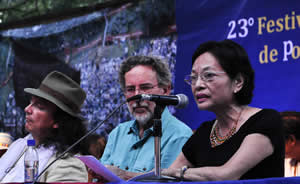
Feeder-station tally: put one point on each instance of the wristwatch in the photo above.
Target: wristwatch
(182, 171)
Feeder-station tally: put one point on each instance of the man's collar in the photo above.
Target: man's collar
(134, 128)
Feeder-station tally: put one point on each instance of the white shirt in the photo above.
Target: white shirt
(291, 168)
(12, 162)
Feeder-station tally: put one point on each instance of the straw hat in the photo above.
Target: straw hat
(62, 91)
(5, 140)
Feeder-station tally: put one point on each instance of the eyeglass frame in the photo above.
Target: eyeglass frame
(146, 90)
(188, 78)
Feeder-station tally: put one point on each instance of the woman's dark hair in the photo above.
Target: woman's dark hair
(291, 123)
(70, 129)
(234, 60)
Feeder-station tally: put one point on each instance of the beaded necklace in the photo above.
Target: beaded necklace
(215, 137)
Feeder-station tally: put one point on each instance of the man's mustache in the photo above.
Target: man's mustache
(140, 104)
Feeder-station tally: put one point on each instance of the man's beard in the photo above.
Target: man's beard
(142, 119)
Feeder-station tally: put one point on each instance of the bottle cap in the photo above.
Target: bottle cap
(30, 142)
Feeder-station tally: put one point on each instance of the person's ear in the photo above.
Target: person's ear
(166, 90)
(238, 83)
(290, 143)
(293, 140)
(55, 125)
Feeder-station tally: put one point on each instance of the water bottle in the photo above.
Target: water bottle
(31, 162)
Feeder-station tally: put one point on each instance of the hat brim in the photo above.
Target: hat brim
(62, 106)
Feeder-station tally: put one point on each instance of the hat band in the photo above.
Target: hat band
(60, 97)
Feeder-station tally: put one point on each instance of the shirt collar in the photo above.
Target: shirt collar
(134, 129)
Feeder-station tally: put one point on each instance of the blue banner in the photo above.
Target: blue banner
(269, 30)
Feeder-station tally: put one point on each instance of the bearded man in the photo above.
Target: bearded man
(130, 146)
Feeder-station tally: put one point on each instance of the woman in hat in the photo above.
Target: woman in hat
(52, 119)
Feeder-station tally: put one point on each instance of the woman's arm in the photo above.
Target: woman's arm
(254, 148)
(180, 162)
(175, 168)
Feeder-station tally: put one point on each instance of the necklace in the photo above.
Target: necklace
(215, 137)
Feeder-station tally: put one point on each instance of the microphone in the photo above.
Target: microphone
(180, 100)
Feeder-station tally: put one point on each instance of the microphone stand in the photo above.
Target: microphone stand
(157, 133)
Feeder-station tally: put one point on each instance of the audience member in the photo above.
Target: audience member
(53, 121)
(96, 145)
(291, 124)
(243, 142)
(130, 146)
(5, 140)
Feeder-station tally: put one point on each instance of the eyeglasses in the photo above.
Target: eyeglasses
(143, 88)
(207, 76)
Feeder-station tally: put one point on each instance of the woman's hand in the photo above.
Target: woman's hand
(171, 172)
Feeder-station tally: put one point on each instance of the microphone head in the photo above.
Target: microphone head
(183, 101)
(136, 97)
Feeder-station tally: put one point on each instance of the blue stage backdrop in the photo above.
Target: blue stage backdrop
(269, 30)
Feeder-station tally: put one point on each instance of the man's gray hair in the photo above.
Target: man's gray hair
(161, 67)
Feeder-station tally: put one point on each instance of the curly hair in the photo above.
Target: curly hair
(70, 129)
(163, 73)
(234, 60)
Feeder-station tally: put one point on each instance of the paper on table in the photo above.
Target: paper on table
(94, 164)
(148, 174)
(150, 177)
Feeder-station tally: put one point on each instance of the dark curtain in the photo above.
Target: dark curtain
(31, 66)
